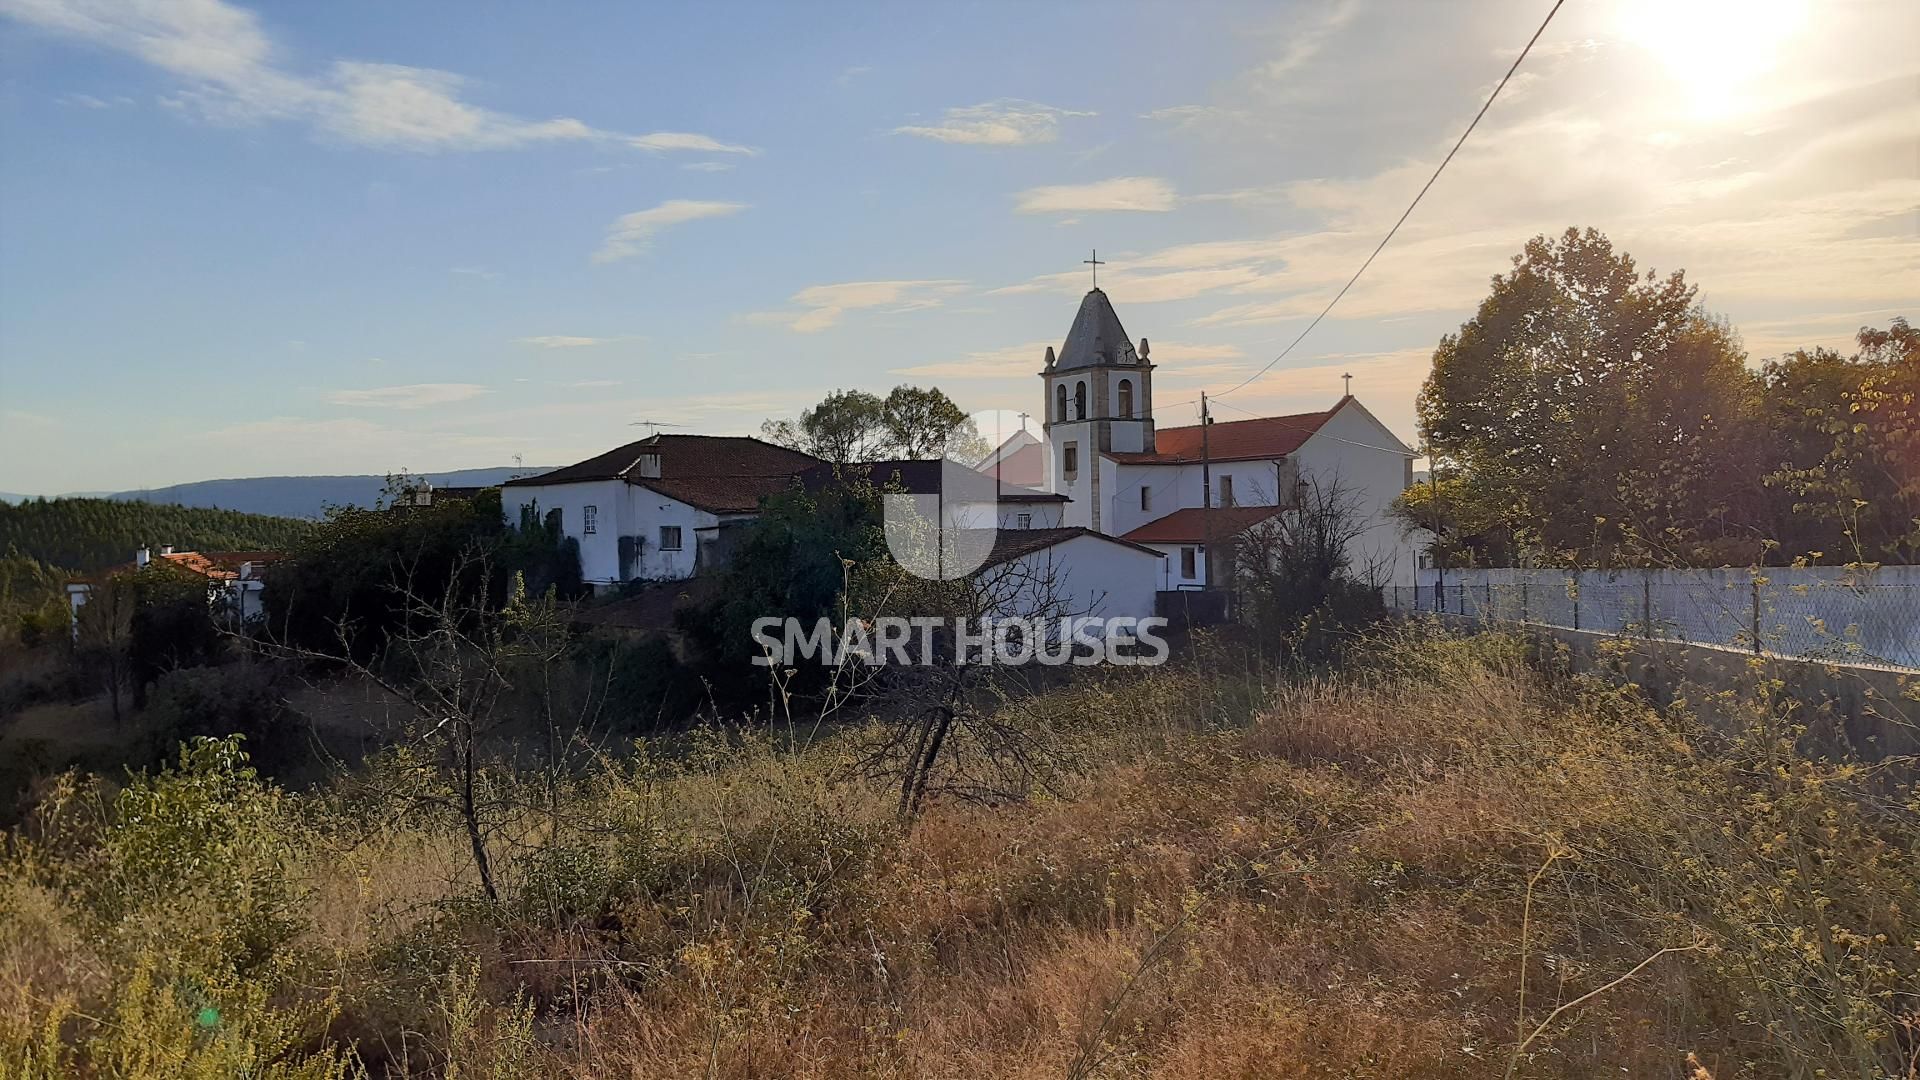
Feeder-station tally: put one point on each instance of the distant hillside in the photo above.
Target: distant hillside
(307, 496)
(88, 534)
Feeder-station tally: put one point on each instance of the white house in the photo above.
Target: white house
(1126, 476)
(234, 579)
(660, 509)
(1048, 573)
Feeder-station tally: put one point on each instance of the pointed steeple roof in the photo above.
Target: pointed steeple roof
(1096, 337)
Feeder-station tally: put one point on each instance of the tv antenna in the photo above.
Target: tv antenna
(653, 426)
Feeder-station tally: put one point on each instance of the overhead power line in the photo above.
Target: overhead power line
(1409, 210)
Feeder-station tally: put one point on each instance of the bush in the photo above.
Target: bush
(218, 702)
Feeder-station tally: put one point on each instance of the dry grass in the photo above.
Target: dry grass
(1334, 886)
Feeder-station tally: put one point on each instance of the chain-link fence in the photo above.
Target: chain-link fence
(1823, 615)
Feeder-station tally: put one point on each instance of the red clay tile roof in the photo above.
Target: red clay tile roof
(215, 565)
(681, 457)
(1234, 440)
(1189, 525)
(719, 494)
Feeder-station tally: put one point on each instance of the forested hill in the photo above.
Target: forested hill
(88, 534)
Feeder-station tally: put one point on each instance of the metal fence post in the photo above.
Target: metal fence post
(1462, 604)
(1756, 616)
(1646, 604)
(1574, 588)
(1523, 601)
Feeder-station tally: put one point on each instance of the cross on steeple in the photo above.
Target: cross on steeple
(1348, 379)
(1096, 264)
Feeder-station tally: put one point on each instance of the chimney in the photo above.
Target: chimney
(141, 558)
(166, 549)
(650, 466)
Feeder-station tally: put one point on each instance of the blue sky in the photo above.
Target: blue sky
(357, 237)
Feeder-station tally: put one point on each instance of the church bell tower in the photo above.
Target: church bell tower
(1099, 400)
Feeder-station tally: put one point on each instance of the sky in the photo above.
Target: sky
(246, 240)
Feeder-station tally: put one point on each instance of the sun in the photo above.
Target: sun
(1717, 52)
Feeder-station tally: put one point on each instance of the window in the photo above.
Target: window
(1187, 567)
(1023, 521)
(1080, 401)
(669, 538)
(1126, 397)
(589, 516)
(1060, 400)
(1146, 497)
(1070, 460)
(1226, 491)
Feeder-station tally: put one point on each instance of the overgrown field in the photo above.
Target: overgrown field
(1436, 864)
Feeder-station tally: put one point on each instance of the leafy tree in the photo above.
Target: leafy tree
(853, 425)
(794, 561)
(351, 576)
(1846, 457)
(927, 424)
(1596, 412)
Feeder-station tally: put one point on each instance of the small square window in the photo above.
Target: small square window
(1146, 497)
(1023, 521)
(589, 518)
(1188, 564)
(1070, 461)
(1226, 491)
(669, 538)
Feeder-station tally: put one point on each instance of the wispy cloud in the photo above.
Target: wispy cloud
(480, 272)
(631, 234)
(1007, 122)
(707, 166)
(1135, 193)
(1024, 361)
(414, 396)
(1306, 42)
(562, 341)
(683, 140)
(822, 306)
(229, 72)
(89, 101)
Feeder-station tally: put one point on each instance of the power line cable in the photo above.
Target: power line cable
(1409, 210)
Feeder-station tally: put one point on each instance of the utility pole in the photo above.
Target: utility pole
(1206, 490)
(1439, 556)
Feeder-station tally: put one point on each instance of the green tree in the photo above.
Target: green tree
(1845, 459)
(927, 424)
(853, 425)
(1597, 411)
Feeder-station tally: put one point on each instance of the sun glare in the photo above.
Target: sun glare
(1718, 52)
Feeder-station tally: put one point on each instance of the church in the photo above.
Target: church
(1103, 498)
(1175, 489)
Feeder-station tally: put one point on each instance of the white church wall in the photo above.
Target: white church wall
(1039, 515)
(1373, 478)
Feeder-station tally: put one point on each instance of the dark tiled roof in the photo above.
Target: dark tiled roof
(1011, 544)
(918, 477)
(1096, 336)
(1235, 440)
(719, 494)
(681, 457)
(652, 608)
(1189, 526)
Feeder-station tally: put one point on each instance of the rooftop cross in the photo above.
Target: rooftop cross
(1096, 264)
(1348, 379)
